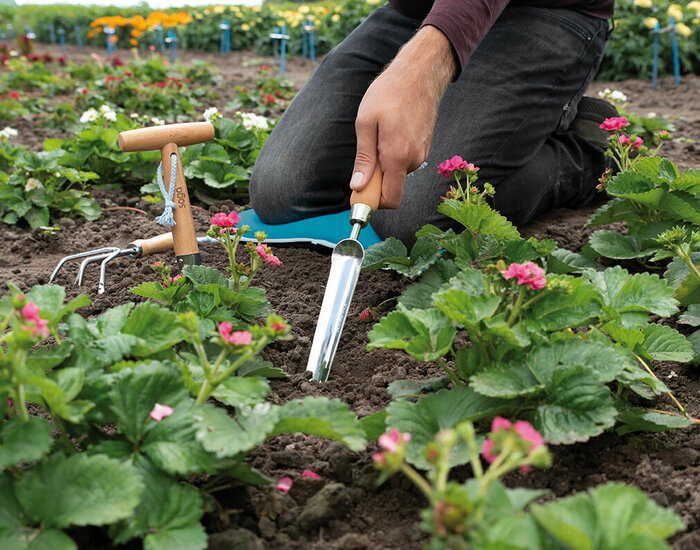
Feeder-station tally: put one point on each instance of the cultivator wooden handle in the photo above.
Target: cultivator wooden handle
(154, 245)
(168, 138)
(372, 193)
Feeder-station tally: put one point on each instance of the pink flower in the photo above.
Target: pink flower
(499, 423)
(392, 440)
(486, 451)
(278, 327)
(238, 338)
(379, 459)
(309, 473)
(528, 433)
(225, 220)
(522, 428)
(455, 163)
(527, 274)
(284, 484)
(261, 249)
(273, 260)
(614, 123)
(176, 278)
(636, 144)
(265, 252)
(30, 312)
(159, 412)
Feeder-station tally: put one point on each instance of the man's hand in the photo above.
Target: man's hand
(397, 115)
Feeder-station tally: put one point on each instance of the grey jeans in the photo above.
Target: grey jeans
(508, 113)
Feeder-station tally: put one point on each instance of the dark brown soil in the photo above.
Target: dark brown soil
(354, 513)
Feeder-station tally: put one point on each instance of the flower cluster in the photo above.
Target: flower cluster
(10, 95)
(458, 168)
(615, 123)
(456, 163)
(224, 220)
(251, 121)
(393, 444)
(236, 338)
(526, 274)
(265, 252)
(105, 112)
(211, 114)
(37, 326)
(634, 142)
(7, 132)
(506, 438)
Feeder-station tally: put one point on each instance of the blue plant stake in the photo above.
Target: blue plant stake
(159, 36)
(3, 36)
(110, 48)
(655, 56)
(10, 31)
(280, 37)
(62, 40)
(309, 37)
(676, 58)
(78, 35)
(52, 33)
(172, 41)
(225, 46)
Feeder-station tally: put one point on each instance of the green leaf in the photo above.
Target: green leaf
(569, 303)
(566, 261)
(49, 298)
(626, 513)
(84, 490)
(24, 441)
(578, 407)
(464, 309)
(51, 539)
(641, 420)
(507, 381)
(617, 210)
(48, 358)
(666, 344)
(393, 254)
(389, 251)
(612, 244)
(479, 218)
(323, 417)
(571, 521)
(641, 292)
(168, 516)
(635, 187)
(691, 316)
(222, 435)
(156, 328)
(424, 418)
(374, 425)
(135, 392)
(203, 275)
(238, 390)
(686, 284)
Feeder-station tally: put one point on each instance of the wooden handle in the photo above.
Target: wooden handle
(154, 245)
(184, 236)
(372, 193)
(156, 137)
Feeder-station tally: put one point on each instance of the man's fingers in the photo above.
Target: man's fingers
(366, 156)
(392, 188)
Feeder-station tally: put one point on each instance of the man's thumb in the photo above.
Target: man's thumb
(365, 160)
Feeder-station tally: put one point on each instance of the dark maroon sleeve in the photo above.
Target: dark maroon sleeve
(464, 22)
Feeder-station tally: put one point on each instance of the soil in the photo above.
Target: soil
(344, 509)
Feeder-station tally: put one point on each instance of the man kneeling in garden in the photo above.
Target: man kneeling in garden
(499, 83)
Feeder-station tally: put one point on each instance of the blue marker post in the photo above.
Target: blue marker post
(225, 46)
(280, 37)
(308, 44)
(10, 31)
(655, 56)
(62, 40)
(159, 38)
(78, 35)
(674, 47)
(110, 47)
(52, 33)
(172, 41)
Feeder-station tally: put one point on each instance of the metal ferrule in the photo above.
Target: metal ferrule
(360, 214)
(189, 259)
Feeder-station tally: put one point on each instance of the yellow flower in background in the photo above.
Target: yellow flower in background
(303, 9)
(651, 22)
(643, 3)
(218, 9)
(683, 29)
(245, 27)
(675, 11)
(694, 5)
(696, 21)
(335, 17)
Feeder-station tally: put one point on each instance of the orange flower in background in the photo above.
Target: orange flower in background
(135, 33)
(134, 42)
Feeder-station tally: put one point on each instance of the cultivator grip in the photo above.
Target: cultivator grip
(168, 138)
(154, 245)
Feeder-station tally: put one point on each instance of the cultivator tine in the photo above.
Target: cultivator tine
(103, 268)
(66, 259)
(91, 260)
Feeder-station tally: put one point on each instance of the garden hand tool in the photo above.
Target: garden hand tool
(321, 230)
(346, 262)
(167, 138)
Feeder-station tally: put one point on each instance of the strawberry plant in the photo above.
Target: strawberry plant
(127, 423)
(513, 337)
(483, 513)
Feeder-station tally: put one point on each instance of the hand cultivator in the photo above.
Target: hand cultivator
(178, 212)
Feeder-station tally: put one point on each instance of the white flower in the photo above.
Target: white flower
(110, 115)
(32, 183)
(105, 109)
(617, 95)
(251, 121)
(8, 132)
(134, 115)
(651, 115)
(157, 121)
(89, 116)
(211, 114)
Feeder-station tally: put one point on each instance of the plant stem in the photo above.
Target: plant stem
(516, 307)
(210, 382)
(450, 373)
(21, 404)
(669, 393)
(669, 413)
(418, 480)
